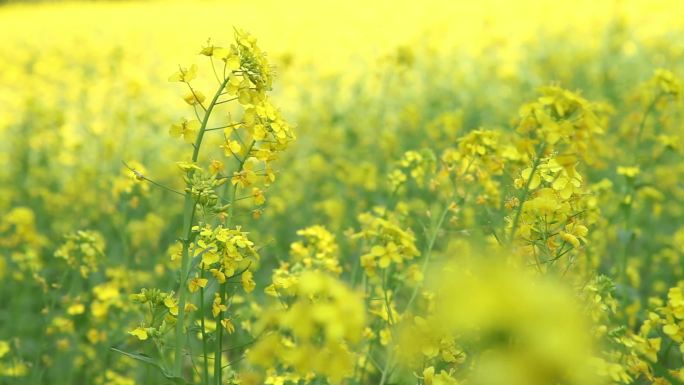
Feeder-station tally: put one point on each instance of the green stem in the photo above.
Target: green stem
(225, 299)
(433, 238)
(390, 324)
(188, 214)
(648, 112)
(628, 233)
(386, 369)
(523, 195)
(203, 127)
(385, 288)
(205, 349)
(218, 369)
(428, 253)
(218, 372)
(37, 375)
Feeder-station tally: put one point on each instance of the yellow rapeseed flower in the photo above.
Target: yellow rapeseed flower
(139, 332)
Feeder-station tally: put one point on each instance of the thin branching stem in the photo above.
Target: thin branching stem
(188, 214)
(523, 195)
(140, 176)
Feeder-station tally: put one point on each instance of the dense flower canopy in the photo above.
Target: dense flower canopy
(385, 193)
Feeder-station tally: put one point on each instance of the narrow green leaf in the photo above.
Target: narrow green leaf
(144, 358)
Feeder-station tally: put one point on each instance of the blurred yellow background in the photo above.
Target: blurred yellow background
(329, 33)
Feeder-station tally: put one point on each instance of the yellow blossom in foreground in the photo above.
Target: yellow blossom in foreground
(228, 325)
(324, 319)
(77, 308)
(139, 332)
(629, 172)
(186, 129)
(504, 311)
(196, 283)
(247, 281)
(4, 348)
(184, 74)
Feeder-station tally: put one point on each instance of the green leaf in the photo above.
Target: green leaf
(144, 358)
